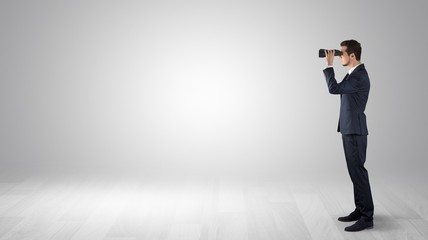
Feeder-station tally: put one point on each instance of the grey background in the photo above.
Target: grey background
(206, 86)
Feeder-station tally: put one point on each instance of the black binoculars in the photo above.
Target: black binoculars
(321, 53)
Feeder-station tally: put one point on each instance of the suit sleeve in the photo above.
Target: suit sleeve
(349, 85)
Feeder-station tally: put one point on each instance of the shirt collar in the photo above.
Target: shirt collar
(352, 69)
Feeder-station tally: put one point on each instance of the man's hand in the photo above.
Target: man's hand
(329, 55)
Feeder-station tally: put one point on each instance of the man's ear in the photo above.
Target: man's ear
(352, 55)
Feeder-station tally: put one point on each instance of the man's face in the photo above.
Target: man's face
(344, 57)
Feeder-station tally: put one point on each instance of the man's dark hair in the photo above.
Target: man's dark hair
(352, 47)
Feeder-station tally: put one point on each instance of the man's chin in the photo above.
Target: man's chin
(346, 64)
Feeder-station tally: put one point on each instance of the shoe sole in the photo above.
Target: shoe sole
(367, 228)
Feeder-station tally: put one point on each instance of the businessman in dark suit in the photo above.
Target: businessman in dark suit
(354, 92)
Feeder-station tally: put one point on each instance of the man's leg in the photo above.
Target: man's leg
(355, 152)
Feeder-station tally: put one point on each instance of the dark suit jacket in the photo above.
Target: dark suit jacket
(354, 93)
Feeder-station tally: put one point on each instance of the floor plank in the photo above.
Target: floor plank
(314, 213)
(207, 208)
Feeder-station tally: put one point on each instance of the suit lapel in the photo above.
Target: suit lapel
(346, 76)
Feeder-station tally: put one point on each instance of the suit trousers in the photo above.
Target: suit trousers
(355, 153)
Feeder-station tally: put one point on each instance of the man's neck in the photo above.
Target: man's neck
(353, 64)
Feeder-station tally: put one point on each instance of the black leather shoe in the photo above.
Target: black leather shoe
(360, 225)
(353, 216)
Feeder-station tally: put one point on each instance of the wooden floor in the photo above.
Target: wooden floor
(209, 208)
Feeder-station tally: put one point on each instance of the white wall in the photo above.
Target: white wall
(205, 85)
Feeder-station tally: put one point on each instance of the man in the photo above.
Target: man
(354, 92)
